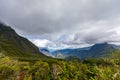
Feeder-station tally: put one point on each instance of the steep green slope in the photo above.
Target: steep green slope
(11, 44)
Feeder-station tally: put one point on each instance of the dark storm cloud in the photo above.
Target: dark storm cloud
(89, 21)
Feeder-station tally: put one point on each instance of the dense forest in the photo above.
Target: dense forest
(59, 69)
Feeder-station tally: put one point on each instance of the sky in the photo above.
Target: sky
(58, 24)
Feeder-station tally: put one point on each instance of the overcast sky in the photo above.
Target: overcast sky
(64, 23)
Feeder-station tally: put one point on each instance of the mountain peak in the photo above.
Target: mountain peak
(102, 49)
(5, 28)
(100, 45)
(106, 43)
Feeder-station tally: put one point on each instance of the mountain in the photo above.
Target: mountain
(11, 44)
(68, 50)
(97, 50)
(79, 52)
(102, 49)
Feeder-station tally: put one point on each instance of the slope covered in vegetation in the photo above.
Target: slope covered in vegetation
(58, 69)
(11, 44)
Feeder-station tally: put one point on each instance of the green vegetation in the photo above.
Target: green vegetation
(58, 69)
(13, 45)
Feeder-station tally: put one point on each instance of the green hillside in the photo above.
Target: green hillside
(11, 44)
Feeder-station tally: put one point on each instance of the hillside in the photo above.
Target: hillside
(11, 44)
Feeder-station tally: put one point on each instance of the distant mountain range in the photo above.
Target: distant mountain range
(95, 51)
(11, 44)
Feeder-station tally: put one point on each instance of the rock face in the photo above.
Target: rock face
(14, 45)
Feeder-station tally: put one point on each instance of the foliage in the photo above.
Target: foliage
(58, 69)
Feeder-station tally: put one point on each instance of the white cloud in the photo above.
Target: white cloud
(43, 43)
(40, 43)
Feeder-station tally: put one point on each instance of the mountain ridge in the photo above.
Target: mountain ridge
(97, 50)
(13, 44)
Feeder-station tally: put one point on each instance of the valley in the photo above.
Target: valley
(20, 59)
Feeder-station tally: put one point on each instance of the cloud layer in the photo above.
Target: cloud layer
(72, 23)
